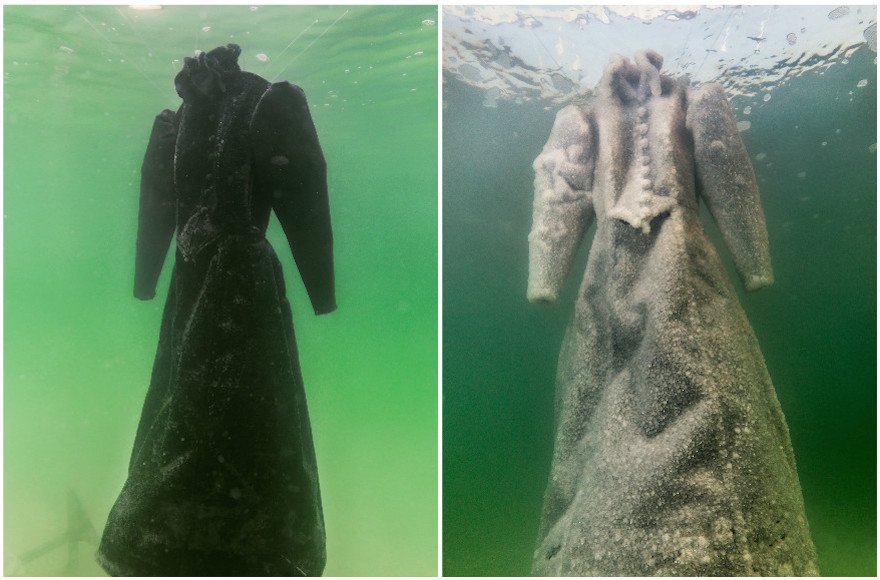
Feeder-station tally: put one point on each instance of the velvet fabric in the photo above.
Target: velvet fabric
(672, 456)
(223, 478)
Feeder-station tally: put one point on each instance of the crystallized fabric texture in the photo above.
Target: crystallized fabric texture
(222, 478)
(672, 456)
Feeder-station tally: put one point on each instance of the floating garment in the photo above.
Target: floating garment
(672, 456)
(222, 478)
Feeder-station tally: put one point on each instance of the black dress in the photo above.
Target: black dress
(222, 478)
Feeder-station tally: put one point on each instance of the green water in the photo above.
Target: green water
(816, 325)
(82, 85)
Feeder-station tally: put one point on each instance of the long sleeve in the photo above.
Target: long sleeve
(563, 208)
(157, 212)
(726, 182)
(292, 173)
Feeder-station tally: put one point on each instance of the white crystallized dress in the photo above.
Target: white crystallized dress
(672, 456)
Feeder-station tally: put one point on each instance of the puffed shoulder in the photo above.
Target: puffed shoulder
(571, 125)
(166, 116)
(709, 95)
(570, 114)
(281, 97)
(165, 123)
(709, 115)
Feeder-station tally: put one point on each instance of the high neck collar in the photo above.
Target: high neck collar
(208, 74)
(633, 81)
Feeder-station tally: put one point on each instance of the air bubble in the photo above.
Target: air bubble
(262, 57)
(862, 83)
(767, 97)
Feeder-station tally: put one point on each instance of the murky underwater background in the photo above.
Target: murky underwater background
(82, 85)
(809, 123)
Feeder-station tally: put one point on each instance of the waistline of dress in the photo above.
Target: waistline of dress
(201, 231)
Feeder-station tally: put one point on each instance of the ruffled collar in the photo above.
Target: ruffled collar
(634, 82)
(207, 75)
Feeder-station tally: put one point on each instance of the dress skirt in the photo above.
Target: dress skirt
(223, 477)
